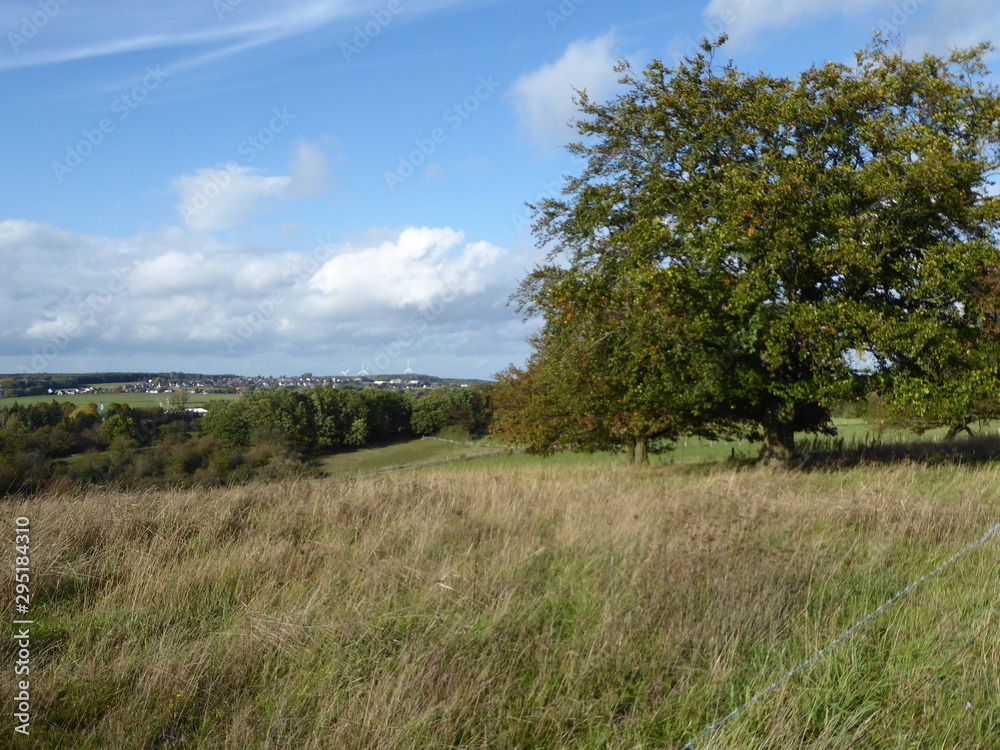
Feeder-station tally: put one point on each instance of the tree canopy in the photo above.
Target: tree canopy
(741, 251)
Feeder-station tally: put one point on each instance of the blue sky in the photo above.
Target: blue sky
(309, 185)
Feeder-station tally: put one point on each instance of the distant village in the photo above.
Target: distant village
(205, 384)
(187, 384)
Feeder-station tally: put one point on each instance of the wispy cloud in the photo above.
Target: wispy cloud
(743, 20)
(310, 172)
(85, 29)
(215, 198)
(544, 98)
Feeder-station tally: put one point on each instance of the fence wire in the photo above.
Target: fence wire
(840, 638)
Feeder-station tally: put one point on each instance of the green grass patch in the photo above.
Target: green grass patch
(693, 451)
(398, 455)
(132, 399)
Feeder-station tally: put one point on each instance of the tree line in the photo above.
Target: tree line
(261, 436)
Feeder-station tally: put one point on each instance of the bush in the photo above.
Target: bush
(442, 407)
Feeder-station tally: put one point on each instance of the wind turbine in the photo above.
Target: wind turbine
(363, 372)
(407, 371)
(344, 372)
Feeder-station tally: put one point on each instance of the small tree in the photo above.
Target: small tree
(120, 425)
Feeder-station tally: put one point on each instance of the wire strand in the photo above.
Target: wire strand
(839, 639)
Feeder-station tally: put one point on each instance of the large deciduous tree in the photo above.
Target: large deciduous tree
(741, 251)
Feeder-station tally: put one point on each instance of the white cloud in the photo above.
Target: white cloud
(922, 25)
(45, 329)
(956, 23)
(936, 26)
(543, 98)
(212, 199)
(415, 269)
(743, 20)
(216, 198)
(174, 272)
(176, 300)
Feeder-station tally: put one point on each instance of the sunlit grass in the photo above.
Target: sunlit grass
(401, 454)
(852, 434)
(536, 607)
(135, 400)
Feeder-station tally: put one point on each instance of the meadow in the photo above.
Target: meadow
(134, 400)
(405, 455)
(412, 454)
(515, 605)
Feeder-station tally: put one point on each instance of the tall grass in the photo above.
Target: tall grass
(530, 608)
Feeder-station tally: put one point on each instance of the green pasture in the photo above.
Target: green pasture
(132, 399)
(405, 454)
(418, 454)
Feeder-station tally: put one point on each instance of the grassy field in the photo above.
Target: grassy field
(516, 607)
(402, 455)
(132, 399)
(850, 431)
(417, 453)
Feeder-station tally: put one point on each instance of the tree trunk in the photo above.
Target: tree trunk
(638, 451)
(779, 435)
(955, 429)
(642, 450)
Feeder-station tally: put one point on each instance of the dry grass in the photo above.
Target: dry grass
(536, 608)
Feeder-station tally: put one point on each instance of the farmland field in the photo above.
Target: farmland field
(132, 399)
